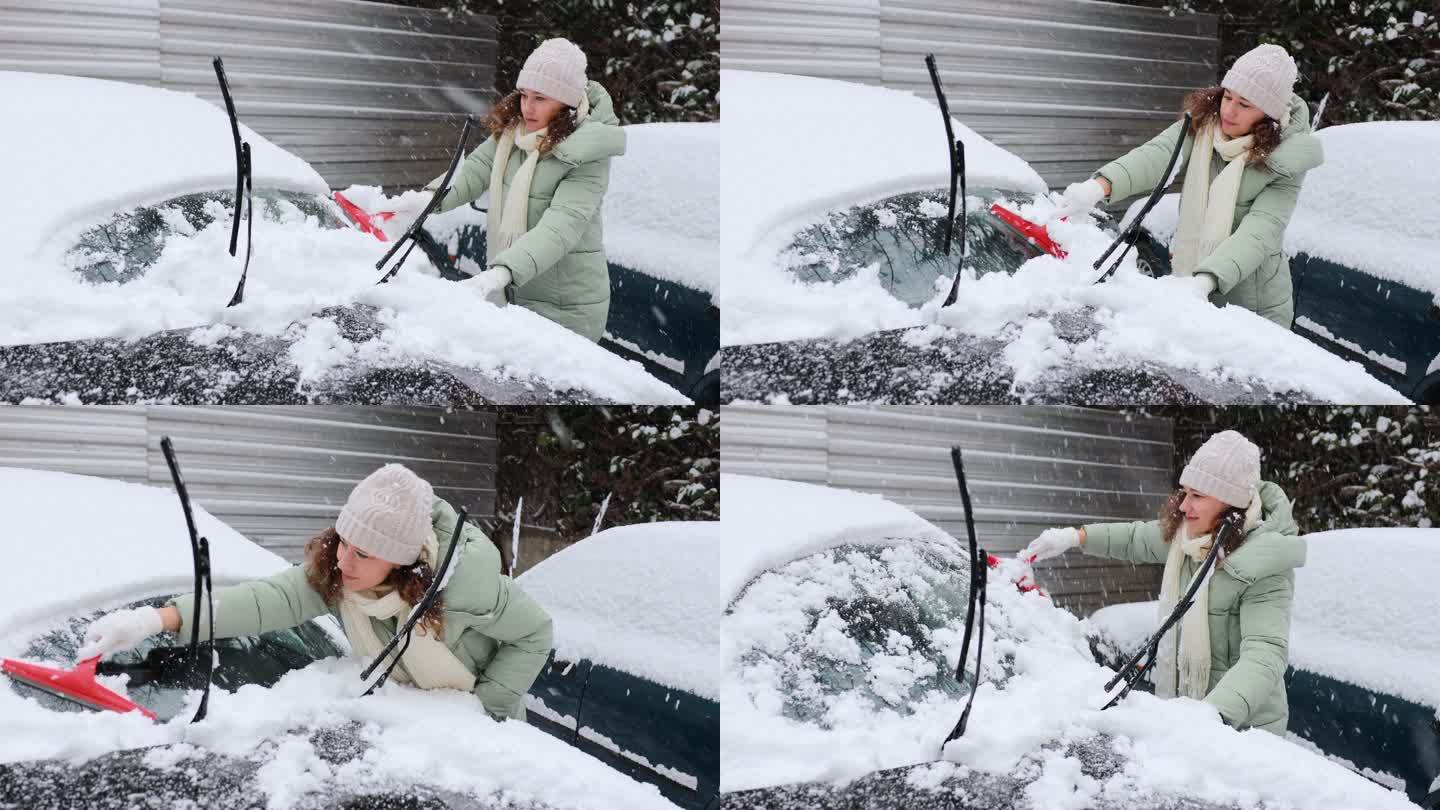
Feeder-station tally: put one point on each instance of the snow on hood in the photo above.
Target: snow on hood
(1141, 320)
(798, 147)
(662, 208)
(95, 543)
(640, 599)
(1358, 615)
(769, 522)
(77, 149)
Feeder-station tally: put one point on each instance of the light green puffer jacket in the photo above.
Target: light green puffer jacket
(1250, 599)
(558, 267)
(496, 630)
(1250, 267)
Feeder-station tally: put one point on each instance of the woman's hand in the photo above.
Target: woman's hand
(491, 284)
(1051, 543)
(1079, 198)
(1199, 285)
(121, 630)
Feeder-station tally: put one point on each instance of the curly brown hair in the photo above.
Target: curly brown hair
(1171, 517)
(1204, 108)
(322, 570)
(506, 113)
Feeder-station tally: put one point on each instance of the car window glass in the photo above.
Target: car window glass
(903, 239)
(129, 243)
(261, 660)
(851, 629)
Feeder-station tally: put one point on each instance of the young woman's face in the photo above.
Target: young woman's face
(360, 571)
(1201, 512)
(1238, 116)
(538, 110)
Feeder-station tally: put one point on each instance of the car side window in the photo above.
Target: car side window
(260, 660)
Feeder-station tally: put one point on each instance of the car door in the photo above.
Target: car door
(553, 704)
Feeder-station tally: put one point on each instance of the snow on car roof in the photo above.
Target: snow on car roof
(640, 599)
(798, 147)
(662, 207)
(80, 148)
(769, 522)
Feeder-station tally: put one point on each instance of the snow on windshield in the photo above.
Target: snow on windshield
(640, 599)
(847, 144)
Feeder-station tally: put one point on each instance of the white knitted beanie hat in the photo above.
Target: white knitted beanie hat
(1265, 76)
(388, 515)
(1227, 466)
(557, 69)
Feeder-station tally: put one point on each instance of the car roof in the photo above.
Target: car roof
(638, 598)
(89, 147)
(84, 543)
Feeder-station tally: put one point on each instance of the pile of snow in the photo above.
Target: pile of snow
(855, 144)
(640, 599)
(1052, 693)
(163, 144)
(1141, 320)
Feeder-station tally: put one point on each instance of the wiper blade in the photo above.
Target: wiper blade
(956, 148)
(412, 232)
(407, 628)
(979, 578)
(1131, 235)
(200, 558)
(243, 184)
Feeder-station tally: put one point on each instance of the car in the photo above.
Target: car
(844, 618)
(633, 679)
(286, 723)
(135, 248)
(1361, 657)
(836, 280)
(1361, 258)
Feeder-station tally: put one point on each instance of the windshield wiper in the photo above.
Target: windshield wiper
(200, 559)
(979, 578)
(243, 184)
(956, 148)
(1131, 235)
(412, 232)
(1133, 671)
(407, 628)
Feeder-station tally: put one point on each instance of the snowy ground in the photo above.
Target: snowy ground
(1040, 687)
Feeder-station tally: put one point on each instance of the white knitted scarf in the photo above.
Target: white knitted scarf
(510, 210)
(428, 661)
(1207, 210)
(1182, 667)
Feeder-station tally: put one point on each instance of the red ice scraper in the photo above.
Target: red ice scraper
(77, 685)
(1031, 232)
(368, 223)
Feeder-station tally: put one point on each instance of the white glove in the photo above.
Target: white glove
(118, 631)
(1199, 285)
(1050, 543)
(491, 284)
(1079, 198)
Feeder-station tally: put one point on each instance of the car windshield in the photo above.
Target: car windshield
(125, 246)
(904, 239)
(260, 660)
(853, 628)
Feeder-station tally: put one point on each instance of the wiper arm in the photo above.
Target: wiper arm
(243, 184)
(200, 558)
(414, 229)
(979, 578)
(1131, 235)
(956, 148)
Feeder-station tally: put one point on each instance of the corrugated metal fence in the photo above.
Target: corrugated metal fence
(278, 475)
(1029, 468)
(1068, 85)
(368, 92)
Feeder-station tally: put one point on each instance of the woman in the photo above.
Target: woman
(546, 165)
(483, 634)
(1233, 643)
(1240, 187)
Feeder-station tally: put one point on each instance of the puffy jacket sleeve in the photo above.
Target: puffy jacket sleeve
(250, 608)
(472, 179)
(1264, 650)
(1261, 232)
(576, 203)
(1141, 169)
(1138, 542)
